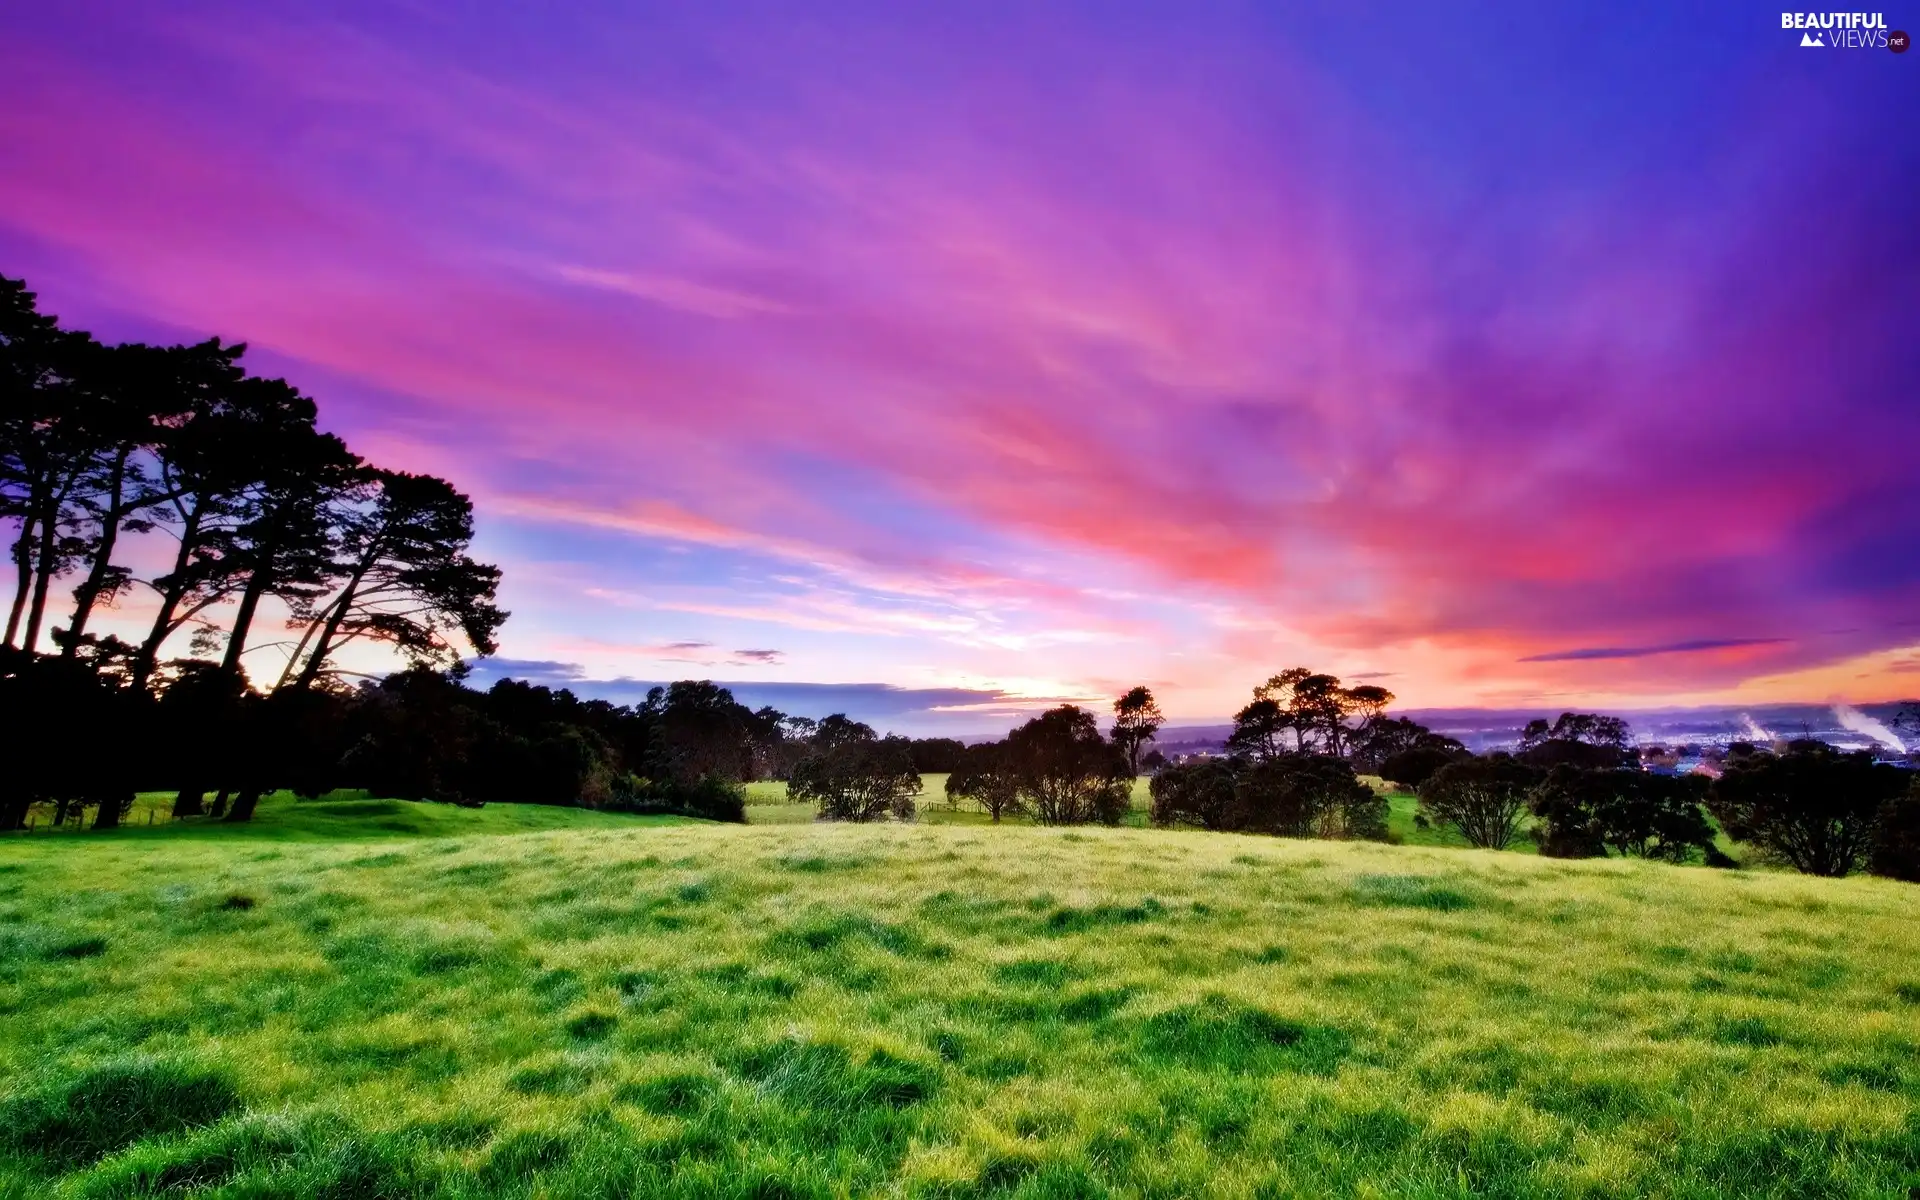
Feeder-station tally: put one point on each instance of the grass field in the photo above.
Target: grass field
(372, 998)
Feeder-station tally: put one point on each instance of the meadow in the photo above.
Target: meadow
(356, 998)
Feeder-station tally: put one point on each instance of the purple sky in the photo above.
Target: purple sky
(1511, 355)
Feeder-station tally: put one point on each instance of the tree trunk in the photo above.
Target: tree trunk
(170, 597)
(219, 808)
(60, 808)
(43, 574)
(23, 561)
(111, 809)
(244, 804)
(243, 620)
(189, 802)
(336, 614)
(13, 811)
(88, 593)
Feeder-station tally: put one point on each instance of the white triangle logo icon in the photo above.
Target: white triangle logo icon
(1809, 39)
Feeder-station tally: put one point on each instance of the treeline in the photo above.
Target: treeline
(246, 513)
(1574, 785)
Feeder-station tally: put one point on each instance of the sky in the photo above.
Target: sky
(938, 362)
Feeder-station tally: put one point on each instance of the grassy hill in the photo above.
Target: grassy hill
(362, 998)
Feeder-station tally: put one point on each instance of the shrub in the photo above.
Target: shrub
(1484, 798)
(711, 798)
(1194, 793)
(1308, 795)
(1292, 795)
(1585, 813)
(1411, 768)
(1896, 840)
(1812, 807)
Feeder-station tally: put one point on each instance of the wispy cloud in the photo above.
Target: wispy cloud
(1216, 368)
(1694, 647)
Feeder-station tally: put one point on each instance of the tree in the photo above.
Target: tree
(1381, 738)
(702, 732)
(1259, 730)
(854, 775)
(284, 545)
(404, 578)
(1577, 739)
(208, 457)
(937, 756)
(1136, 720)
(1484, 798)
(1314, 707)
(1584, 813)
(984, 775)
(49, 436)
(1813, 807)
(1068, 774)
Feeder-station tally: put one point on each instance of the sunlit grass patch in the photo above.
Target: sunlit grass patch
(500, 1007)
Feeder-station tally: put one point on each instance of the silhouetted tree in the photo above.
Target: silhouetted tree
(284, 544)
(1290, 795)
(1383, 738)
(1411, 768)
(703, 732)
(1136, 719)
(1813, 807)
(852, 774)
(404, 578)
(1484, 798)
(209, 456)
(49, 438)
(1577, 740)
(1259, 730)
(937, 756)
(1314, 707)
(133, 392)
(1068, 774)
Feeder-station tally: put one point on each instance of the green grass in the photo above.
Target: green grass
(368, 999)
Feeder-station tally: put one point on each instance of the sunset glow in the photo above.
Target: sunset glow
(1003, 354)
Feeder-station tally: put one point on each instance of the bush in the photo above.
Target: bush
(1896, 840)
(1411, 768)
(710, 798)
(1293, 795)
(1484, 798)
(1813, 807)
(1585, 813)
(1308, 795)
(1200, 793)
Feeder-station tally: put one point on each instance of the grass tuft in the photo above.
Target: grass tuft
(78, 1118)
